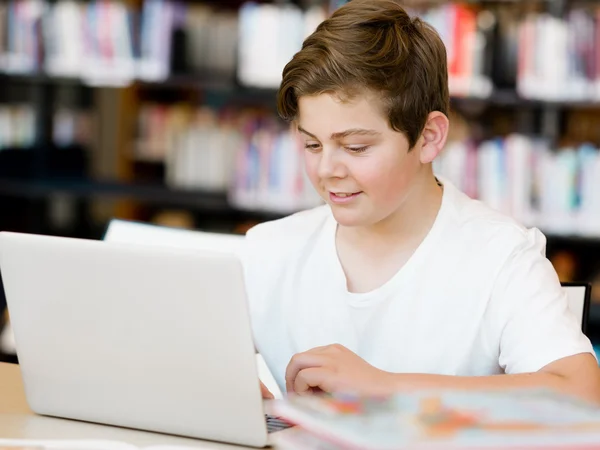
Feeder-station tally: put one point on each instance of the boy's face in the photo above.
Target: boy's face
(357, 163)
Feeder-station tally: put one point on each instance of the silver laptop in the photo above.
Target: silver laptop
(131, 232)
(144, 337)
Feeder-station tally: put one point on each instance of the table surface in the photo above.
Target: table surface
(17, 421)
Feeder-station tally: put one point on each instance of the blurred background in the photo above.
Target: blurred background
(163, 111)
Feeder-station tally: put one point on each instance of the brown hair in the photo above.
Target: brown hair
(372, 45)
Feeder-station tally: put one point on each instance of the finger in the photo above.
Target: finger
(299, 362)
(266, 394)
(313, 379)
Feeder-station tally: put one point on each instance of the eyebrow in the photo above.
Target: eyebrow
(343, 134)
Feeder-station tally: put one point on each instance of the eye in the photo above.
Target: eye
(312, 147)
(357, 149)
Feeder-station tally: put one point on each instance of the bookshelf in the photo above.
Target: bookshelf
(173, 72)
(95, 171)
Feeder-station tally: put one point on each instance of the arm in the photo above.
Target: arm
(576, 375)
(334, 368)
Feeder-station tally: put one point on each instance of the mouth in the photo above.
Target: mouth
(343, 197)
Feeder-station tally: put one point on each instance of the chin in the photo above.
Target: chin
(349, 218)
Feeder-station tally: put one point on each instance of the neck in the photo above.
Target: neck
(407, 226)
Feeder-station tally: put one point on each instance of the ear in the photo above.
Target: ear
(434, 136)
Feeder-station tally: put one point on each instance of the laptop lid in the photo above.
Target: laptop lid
(132, 232)
(151, 338)
(148, 234)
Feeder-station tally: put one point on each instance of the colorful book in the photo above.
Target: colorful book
(444, 419)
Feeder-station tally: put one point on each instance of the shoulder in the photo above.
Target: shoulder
(526, 316)
(488, 231)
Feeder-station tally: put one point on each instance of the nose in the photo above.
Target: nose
(331, 164)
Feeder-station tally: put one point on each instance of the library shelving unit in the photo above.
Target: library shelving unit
(74, 188)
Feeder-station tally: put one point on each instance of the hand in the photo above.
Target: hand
(266, 394)
(334, 368)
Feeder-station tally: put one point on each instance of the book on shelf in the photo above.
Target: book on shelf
(269, 36)
(441, 419)
(559, 58)
(72, 126)
(110, 43)
(22, 51)
(248, 153)
(18, 126)
(553, 189)
(259, 161)
(467, 35)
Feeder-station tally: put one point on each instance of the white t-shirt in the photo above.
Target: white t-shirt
(478, 296)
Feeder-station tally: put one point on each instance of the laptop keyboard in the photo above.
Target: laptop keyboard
(275, 423)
